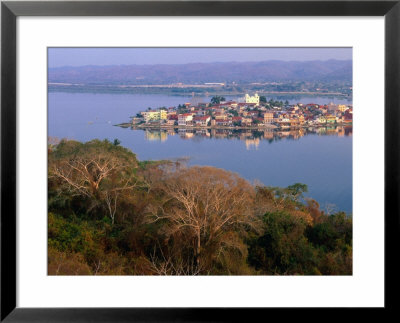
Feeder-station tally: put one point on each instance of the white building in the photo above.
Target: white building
(154, 115)
(202, 121)
(183, 119)
(252, 99)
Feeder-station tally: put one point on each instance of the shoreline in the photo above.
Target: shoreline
(182, 92)
(272, 127)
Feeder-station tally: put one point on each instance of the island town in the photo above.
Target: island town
(250, 112)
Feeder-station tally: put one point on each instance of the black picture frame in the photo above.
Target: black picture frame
(10, 10)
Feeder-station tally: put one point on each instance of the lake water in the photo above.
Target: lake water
(320, 158)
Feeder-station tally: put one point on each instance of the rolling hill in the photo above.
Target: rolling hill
(197, 73)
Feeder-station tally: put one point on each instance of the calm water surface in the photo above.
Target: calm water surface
(320, 158)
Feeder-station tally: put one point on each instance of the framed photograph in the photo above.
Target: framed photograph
(198, 160)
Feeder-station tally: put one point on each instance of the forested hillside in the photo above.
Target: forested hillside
(111, 214)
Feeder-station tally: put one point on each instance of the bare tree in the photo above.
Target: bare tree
(111, 198)
(84, 174)
(92, 170)
(206, 202)
(112, 191)
(330, 208)
(170, 265)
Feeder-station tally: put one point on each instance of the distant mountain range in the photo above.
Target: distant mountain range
(239, 72)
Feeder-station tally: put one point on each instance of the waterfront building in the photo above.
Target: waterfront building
(202, 121)
(268, 117)
(219, 116)
(330, 119)
(223, 122)
(150, 115)
(154, 115)
(184, 119)
(246, 121)
(237, 121)
(171, 121)
(282, 118)
(163, 114)
(321, 119)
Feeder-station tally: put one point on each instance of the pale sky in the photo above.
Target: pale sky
(58, 57)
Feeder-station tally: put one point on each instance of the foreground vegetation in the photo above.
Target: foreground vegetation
(110, 214)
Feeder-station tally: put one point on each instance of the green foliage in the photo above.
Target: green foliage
(283, 248)
(71, 149)
(72, 235)
(233, 112)
(296, 191)
(216, 99)
(273, 103)
(333, 233)
(289, 246)
(182, 109)
(293, 194)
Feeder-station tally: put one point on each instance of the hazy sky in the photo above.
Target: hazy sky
(126, 56)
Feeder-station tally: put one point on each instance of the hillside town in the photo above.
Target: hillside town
(248, 112)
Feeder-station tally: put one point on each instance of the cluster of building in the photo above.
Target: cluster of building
(247, 113)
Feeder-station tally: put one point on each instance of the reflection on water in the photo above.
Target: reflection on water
(250, 137)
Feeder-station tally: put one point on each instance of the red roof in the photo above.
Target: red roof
(202, 118)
